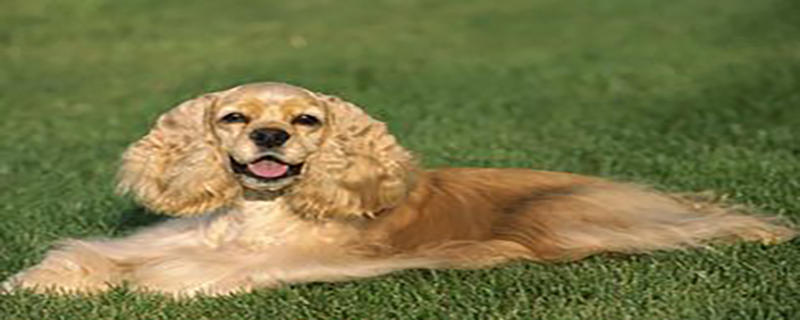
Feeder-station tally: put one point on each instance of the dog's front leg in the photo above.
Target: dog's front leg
(90, 266)
(74, 267)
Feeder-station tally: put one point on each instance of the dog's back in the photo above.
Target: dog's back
(475, 217)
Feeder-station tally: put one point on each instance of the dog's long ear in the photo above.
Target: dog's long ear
(358, 171)
(178, 168)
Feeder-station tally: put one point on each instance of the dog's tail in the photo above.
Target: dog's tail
(631, 219)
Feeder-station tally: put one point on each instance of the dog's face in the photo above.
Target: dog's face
(324, 156)
(268, 134)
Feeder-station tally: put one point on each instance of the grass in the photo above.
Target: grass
(684, 95)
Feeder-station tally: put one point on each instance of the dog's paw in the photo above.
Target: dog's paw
(7, 287)
(62, 272)
(45, 280)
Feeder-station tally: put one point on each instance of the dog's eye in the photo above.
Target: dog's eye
(234, 117)
(306, 120)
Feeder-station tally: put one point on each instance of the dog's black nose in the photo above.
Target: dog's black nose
(269, 137)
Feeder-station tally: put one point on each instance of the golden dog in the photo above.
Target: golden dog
(277, 184)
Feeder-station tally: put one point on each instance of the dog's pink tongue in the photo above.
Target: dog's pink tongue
(267, 168)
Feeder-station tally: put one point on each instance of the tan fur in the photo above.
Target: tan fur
(358, 171)
(177, 167)
(360, 207)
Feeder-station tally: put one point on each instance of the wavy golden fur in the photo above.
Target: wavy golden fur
(276, 184)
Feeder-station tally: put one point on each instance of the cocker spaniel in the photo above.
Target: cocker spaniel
(276, 184)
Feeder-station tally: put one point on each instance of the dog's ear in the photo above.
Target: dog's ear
(359, 170)
(178, 168)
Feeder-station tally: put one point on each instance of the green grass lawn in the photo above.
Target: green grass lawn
(684, 95)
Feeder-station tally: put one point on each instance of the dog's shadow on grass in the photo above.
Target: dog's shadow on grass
(136, 218)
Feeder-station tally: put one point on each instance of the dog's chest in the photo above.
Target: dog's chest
(260, 225)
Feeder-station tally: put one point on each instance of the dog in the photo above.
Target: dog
(274, 184)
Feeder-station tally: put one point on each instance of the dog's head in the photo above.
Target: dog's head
(265, 140)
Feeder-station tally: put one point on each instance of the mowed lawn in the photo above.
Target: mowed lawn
(684, 95)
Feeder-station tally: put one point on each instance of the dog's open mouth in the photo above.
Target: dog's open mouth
(267, 169)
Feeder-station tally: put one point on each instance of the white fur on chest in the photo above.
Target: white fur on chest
(259, 225)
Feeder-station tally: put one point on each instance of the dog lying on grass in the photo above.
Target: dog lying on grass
(276, 184)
